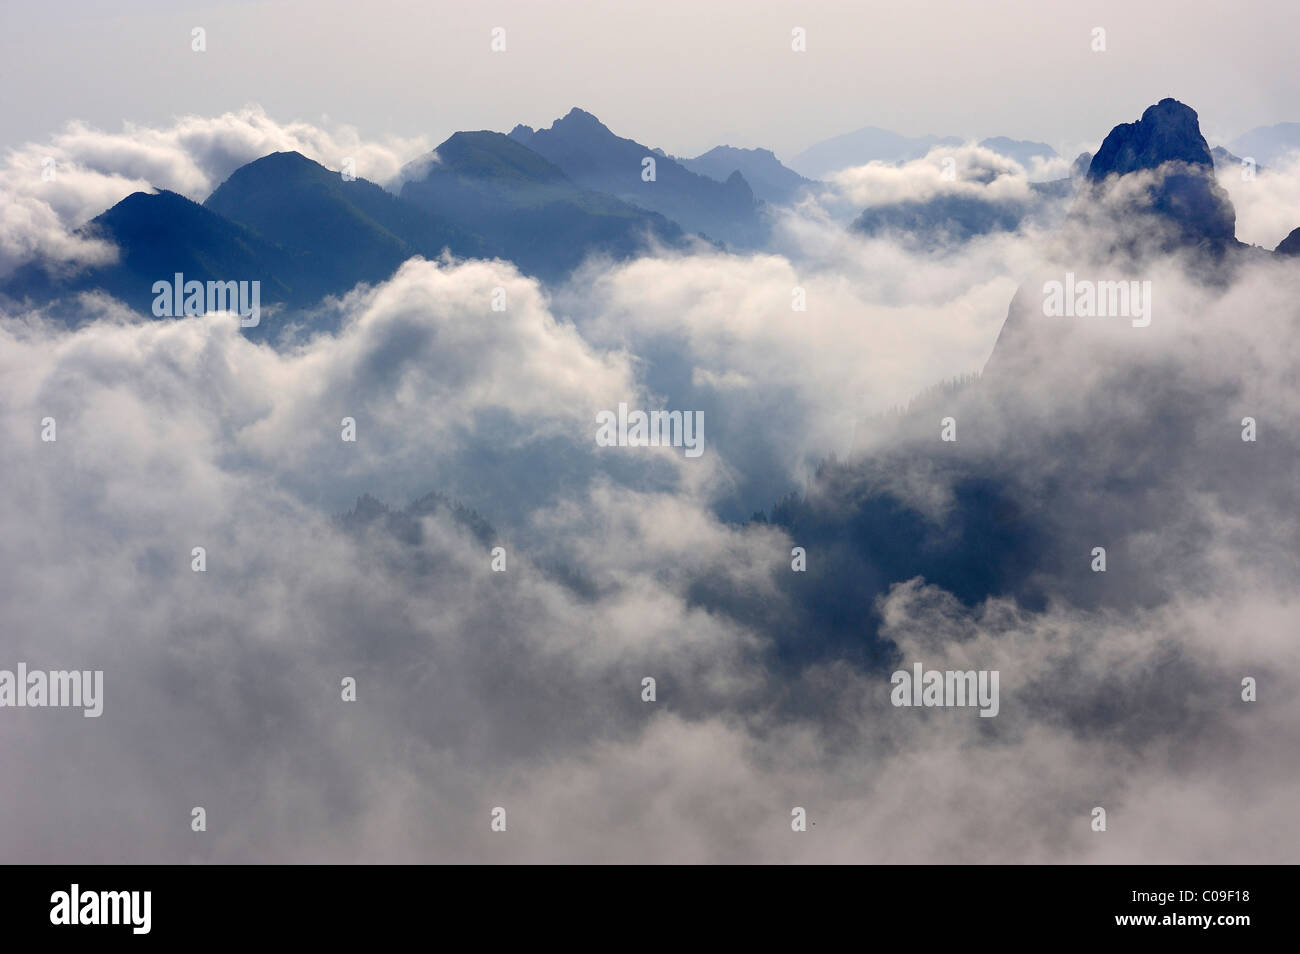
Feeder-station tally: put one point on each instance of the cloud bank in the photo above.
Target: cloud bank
(523, 689)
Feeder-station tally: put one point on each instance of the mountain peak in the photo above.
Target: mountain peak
(285, 156)
(283, 161)
(1169, 131)
(158, 196)
(144, 207)
(273, 171)
(485, 154)
(1167, 141)
(736, 183)
(579, 119)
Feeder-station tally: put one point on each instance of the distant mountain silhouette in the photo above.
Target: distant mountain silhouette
(285, 221)
(873, 144)
(861, 146)
(594, 158)
(1020, 150)
(527, 206)
(770, 180)
(1225, 161)
(305, 232)
(547, 199)
(522, 133)
(1268, 144)
(344, 231)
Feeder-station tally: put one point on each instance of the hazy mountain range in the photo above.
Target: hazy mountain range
(595, 158)
(873, 144)
(1268, 144)
(526, 207)
(548, 199)
(770, 180)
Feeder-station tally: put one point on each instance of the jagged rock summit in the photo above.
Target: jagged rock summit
(1149, 193)
(1168, 131)
(1167, 142)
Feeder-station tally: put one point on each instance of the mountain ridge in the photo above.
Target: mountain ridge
(595, 158)
(527, 206)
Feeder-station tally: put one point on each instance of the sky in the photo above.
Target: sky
(682, 75)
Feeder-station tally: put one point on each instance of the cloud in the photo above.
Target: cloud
(1268, 206)
(967, 170)
(782, 388)
(522, 689)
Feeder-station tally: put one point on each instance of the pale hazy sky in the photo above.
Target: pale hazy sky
(683, 75)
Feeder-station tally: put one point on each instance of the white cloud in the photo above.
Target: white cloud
(1268, 206)
(967, 170)
(522, 689)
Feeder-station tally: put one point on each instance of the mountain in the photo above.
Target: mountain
(1020, 150)
(594, 158)
(160, 234)
(1289, 245)
(861, 146)
(873, 144)
(526, 206)
(304, 232)
(1268, 144)
(522, 133)
(1171, 204)
(1169, 131)
(346, 231)
(770, 180)
(1224, 160)
(1168, 138)
(284, 221)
